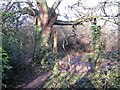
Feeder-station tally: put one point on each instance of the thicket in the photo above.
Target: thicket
(11, 52)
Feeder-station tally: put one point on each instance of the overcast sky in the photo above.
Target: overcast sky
(90, 3)
(65, 3)
(63, 10)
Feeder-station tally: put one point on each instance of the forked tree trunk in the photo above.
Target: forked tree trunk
(45, 22)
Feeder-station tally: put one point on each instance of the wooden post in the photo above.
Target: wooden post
(55, 45)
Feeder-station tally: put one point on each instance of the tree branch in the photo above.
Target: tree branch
(56, 4)
(76, 22)
(60, 22)
(30, 11)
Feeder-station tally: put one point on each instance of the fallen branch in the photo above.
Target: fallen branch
(39, 81)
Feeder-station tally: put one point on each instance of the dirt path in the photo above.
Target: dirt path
(76, 66)
(39, 80)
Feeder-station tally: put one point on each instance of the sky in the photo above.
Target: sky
(69, 2)
(63, 10)
(62, 7)
(65, 3)
(90, 3)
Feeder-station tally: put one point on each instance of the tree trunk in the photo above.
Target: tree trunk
(45, 22)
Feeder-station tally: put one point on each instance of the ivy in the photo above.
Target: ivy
(8, 19)
(5, 66)
(96, 41)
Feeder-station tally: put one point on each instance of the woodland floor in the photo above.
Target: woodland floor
(33, 77)
(27, 76)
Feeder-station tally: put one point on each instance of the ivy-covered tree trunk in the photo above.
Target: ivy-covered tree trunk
(43, 44)
(45, 21)
(96, 43)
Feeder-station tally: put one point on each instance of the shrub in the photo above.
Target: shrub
(5, 66)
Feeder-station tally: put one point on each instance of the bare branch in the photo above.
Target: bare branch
(30, 11)
(76, 22)
(56, 4)
(60, 22)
